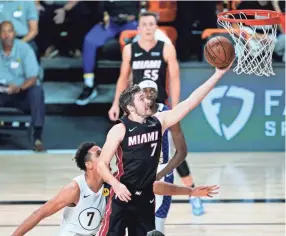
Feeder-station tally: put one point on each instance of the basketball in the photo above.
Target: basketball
(219, 52)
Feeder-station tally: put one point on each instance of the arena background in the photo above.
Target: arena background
(235, 138)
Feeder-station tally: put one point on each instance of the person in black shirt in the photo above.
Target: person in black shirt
(148, 58)
(136, 141)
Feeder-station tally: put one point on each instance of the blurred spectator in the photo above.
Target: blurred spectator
(62, 16)
(258, 4)
(24, 17)
(280, 46)
(193, 17)
(18, 73)
(117, 16)
(279, 49)
(274, 5)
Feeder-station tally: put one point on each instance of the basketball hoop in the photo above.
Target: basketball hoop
(254, 34)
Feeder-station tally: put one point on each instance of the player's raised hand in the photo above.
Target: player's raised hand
(205, 191)
(224, 70)
(122, 192)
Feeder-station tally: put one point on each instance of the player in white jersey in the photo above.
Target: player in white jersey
(84, 199)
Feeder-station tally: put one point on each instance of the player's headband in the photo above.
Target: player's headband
(148, 84)
(94, 149)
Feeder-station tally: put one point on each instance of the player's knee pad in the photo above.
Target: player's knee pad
(163, 204)
(183, 169)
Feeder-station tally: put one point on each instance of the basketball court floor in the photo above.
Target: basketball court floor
(251, 200)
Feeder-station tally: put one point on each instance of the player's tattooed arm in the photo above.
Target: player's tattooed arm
(181, 151)
(68, 196)
(167, 189)
(170, 57)
(171, 117)
(113, 140)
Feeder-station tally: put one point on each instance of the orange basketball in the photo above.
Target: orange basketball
(219, 52)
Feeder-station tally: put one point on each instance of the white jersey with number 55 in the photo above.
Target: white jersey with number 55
(84, 218)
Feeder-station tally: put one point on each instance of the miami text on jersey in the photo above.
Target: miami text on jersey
(142, 138)
(146, 64)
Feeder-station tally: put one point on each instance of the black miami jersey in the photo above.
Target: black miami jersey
(139, 153)
(150, 66)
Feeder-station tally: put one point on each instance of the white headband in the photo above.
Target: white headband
(148, 84)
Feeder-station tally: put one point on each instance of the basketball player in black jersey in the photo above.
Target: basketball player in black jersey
(150, 59)
(136, 140)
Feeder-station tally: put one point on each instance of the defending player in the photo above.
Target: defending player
(84, 199)
(136, 140)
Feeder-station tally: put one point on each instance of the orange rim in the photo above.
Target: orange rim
(274, 17)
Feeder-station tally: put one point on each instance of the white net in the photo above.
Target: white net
(254, 44)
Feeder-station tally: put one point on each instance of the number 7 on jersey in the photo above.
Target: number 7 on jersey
(153, 145)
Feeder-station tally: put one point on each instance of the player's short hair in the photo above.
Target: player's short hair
(127, 97)
(6, 23)
(149, 13)
(82, 155)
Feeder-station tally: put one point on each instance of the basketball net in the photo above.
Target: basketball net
(254, 44)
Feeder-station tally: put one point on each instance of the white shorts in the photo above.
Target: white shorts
(69, 233)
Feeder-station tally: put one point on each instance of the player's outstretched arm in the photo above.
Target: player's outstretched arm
(113, 140)
(167, 189)
(180, 154)
(122, 82)
(67, 196)
(169, 118)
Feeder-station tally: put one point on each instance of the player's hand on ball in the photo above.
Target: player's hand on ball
(205, 191)
(122, 192)
(224, 70)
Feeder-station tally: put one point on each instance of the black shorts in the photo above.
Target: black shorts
(137, 215)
